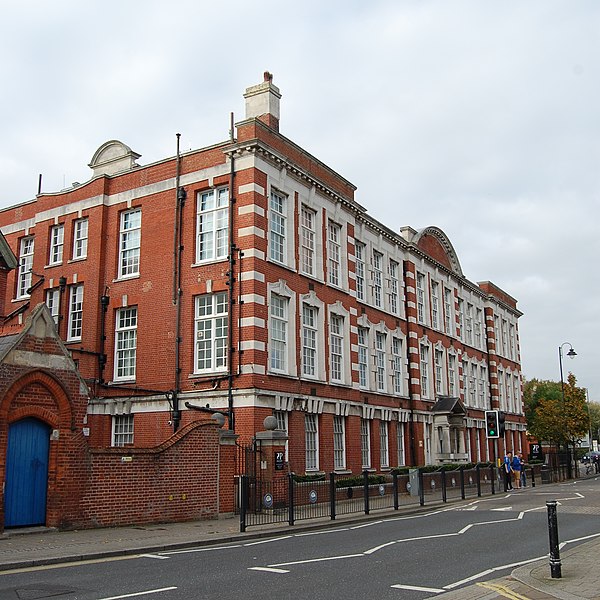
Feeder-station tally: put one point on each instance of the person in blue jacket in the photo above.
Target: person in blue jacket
(516, 469)
(507, 468)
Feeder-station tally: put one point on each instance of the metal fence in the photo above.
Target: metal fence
(290, 499)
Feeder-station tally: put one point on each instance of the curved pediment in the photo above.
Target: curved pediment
(435, 243)
(113, 157)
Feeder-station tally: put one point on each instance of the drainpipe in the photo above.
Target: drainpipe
(177, 292)
(231, 283)
(104, 302)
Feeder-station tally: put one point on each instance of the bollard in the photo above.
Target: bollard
(555, 564)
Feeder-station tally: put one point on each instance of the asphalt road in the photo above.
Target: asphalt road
(409, 557)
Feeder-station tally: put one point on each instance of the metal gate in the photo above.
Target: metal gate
(26, 473)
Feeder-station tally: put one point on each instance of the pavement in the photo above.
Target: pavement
(36, 547)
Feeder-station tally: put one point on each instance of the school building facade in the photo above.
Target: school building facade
(244, 279)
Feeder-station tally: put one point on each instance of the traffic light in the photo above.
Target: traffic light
(492, 425)
(501, 425)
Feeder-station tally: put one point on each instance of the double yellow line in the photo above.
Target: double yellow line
(502, 590)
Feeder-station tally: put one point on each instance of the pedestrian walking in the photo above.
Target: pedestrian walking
(507, 469)
(516, 469)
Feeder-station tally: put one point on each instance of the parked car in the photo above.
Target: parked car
(592, 456)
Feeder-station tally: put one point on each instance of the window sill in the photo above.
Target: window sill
(126, 278)
(209, 261)
(51, 265)
(75, 260)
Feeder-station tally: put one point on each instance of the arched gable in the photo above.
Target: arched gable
(435, 243)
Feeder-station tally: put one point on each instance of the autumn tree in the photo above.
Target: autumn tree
(551, 419)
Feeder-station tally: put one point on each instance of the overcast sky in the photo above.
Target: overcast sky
(480, 118)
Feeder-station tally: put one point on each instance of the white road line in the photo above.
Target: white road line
(492, 570)
(466, 528)
(278, 539)
(367, 525)
(157, 556)
(427, 537)
(587, 537)
(314, 560)
(192, 550)
(373, 550)
(320, 532)
(502, 508)
(417, 588)
(268, 569)
(140, 593)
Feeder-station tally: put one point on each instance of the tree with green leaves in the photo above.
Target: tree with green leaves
(551, 418)
(594, 410)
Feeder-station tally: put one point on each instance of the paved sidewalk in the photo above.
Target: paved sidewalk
(37, 546)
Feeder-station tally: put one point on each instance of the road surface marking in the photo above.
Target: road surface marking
(367, 525)
(492, 570)
(314, 560)
(191, 550)
(502, 509)
(67, 564)
(503, 591)
(140, 593)
(277, 539)
(373, 550)
(417, 588)
(268, 569)
(157, 556)
(320, 532)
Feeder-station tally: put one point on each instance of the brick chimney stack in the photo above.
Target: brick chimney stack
(262, 102)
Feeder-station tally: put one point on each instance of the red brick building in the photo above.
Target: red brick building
(244, 277)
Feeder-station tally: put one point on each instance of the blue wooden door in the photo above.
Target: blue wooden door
(26, 473)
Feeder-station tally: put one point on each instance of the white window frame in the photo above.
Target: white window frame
(377, 263)
(473, 398)
(361, 285)
(452, 374)
(308, 235)
(80, 238)
(310, 344)
(420, 291)
(384, 446)
(339, 443)
(438, 358)
(278, 218)
(397, 371)
(130, 238)
(126, 322)
(393, 270)
(400, 444)
(279, 333)
(363, 357)
(449, 310)
(478, 328)
(482, 386)
(424, 367)
(468, 337)
(26, 250)
(122, 430)
(57, 244)
(461, 318)
(334, 254)
(365, 443)
(311, 438)
(211, 314)
(379, 359)
(75, 320)
(53, 303)
(336, 348)
(212, 225)
(435, 305)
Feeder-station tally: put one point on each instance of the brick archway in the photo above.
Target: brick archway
(64, 416)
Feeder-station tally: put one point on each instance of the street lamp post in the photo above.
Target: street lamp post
(571, 354)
